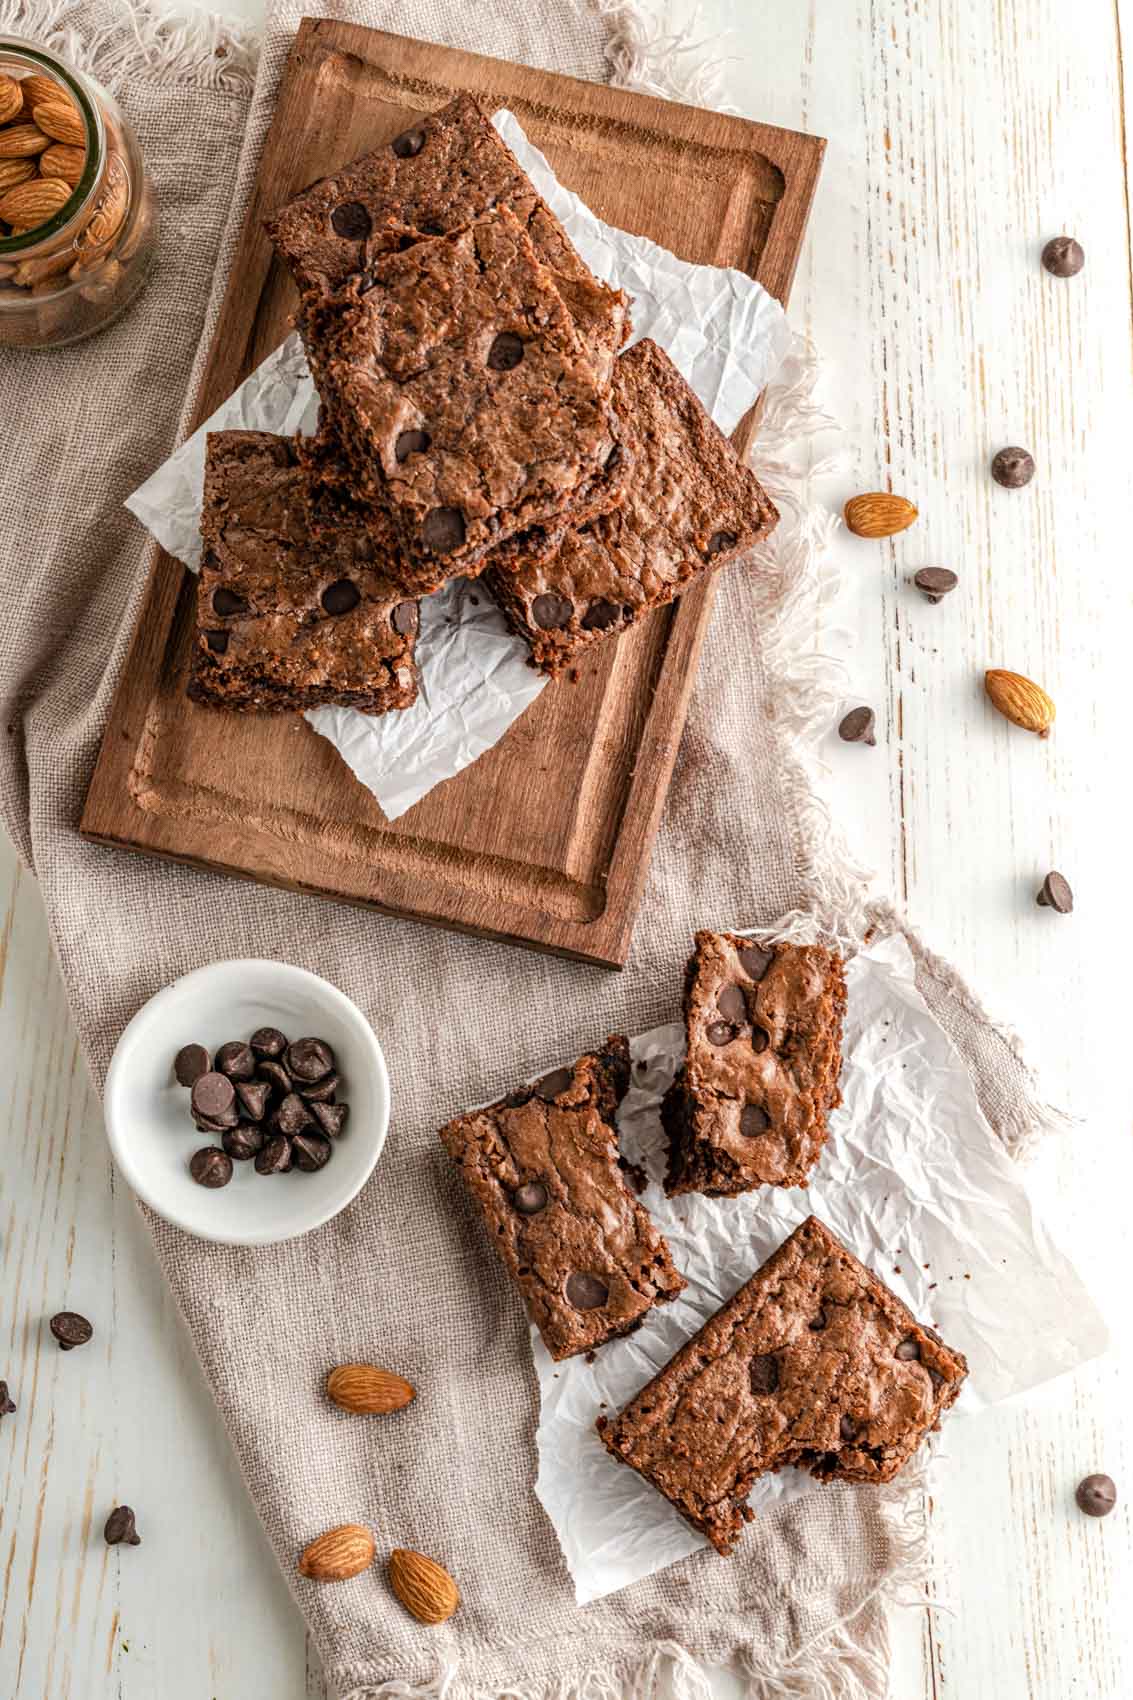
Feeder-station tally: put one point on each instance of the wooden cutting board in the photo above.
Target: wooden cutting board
(546, 839)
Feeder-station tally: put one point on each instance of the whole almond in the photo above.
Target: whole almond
(13, 171)
(59, 160)
(364, 1387)
(1020, 700)
(878, 514)
(60, 119)
(30, 273)
(20, 141)
(338, 1555)
(35, 201)
(36, 88)
(109, 213)
(423, 1586)
(11, 99)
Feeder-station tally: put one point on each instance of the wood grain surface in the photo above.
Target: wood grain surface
(546, 838)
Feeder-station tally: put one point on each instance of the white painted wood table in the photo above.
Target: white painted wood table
(961, 135)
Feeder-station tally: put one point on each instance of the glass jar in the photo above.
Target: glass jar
(78, 220)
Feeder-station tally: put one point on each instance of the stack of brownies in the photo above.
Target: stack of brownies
(476, 418)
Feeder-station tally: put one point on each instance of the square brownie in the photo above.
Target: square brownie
(455, 382)
(691, 506)
(814, 1362)
(543, 1169)
(764, 1029)
(286, 622)
(444, 171)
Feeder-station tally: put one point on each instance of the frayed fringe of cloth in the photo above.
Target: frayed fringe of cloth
(167, 46)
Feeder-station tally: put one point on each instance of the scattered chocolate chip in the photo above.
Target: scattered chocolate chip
(225, 602)
(268, 1042)
(217, 642)
(760, 1039)
(818, 1322)
(1096, 1495)
(211, 1167)
(443, 530)
(857, 727)
(275, 1072)
(322, 1092)
(350, 219)
(7, 1403)
(253, 1096)
(190, 1063)
(341, 596)
(331, 1118)
(719, 1033)
(754, 960)
(550, 612)
(935, 582)
(243, 1141)
(506, 352)
(600, 616)
(847, 1428)
(1063, 256)
(310, 1151)
(718, 542)
(586, 1292)
(410, 443)
(553, 1084)
(753, 1120)
(120, 1528)
(409, 143)
(733, 1005)
(70, 1329)
(275, 1156)
(309, 1059)
(1055, 893)
(292, 1116)
(235, 1059)
(907, 1350)
(213, 1095)
(405, 618)
(530, 1198)
(764, 1374)
(1013, 468)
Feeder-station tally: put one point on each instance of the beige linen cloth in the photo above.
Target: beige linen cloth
(403, 1277)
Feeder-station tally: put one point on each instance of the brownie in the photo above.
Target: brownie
(691, 505)
(454, 379)
(542, 1167)
(764, 1036)
(442, 172)
(286, 621)
(814, 1362)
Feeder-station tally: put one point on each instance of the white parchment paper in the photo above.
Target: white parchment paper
(724, 332)
(913, 1181)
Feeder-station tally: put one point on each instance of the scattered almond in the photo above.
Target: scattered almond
(59, 160)
(36, 88)
(423, 1586)
(363, 1387)
(34, 202)
(11, 99)
(60, 119)
(1023, 702)
(338, 1555)
(878, 514)
(13, 171)
(20, 141)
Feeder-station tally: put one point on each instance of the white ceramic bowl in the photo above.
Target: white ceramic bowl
(151, 1131)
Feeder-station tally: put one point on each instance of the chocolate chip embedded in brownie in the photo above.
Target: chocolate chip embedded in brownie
(814, 1362)
(284, 621)
(691, 506)
(457, 386)
(542, 1168)
(764, 1029)
(439, 173)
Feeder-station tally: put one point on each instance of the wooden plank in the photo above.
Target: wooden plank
(546, 839)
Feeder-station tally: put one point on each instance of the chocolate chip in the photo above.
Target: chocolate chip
(410, 443)
(1063, 257)
(322, 1092)
(719, 1033)
(225, 602)
(613, 459)
(530, 1198)
(120, 1528)
(753, 1120)
(405, 618)
(213, 1095)
(1013, 468)
(600, 616)
(586, 1292)
(330, 1117)
(235, 1059)
(755, 961)
(506, 352)
(764, 1374)
(350, 219)
(190, 1063)
(211, 1167)
(760, 1039)
(409, 143)
(1096, 1495)
(443, 530)
(310, 1151)
(718, 542)
(857, 727)
(309, 1059)
(907, 1350)
(553, 1084)
(243, 1141)
(253, 1096)
(818, 1322)
(292, 1116)
(215, 1124)
(268, 1042)
(275, 1157)
(7, 1403)
(275, 1073)
(430, 227)
(733, 1005)
(1055, 893)
(935, 582)
(341, 596)
(70, 1329)
(550, 612)
(217, 642)
(847, 1428)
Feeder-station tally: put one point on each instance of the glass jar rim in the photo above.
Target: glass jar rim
(28, 245)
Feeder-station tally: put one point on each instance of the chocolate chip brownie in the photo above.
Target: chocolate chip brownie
(691, 505)
(455, 381)
(814, 1362)
(444, 171)
(543, 1169)
(764, 1030)
(285, 622)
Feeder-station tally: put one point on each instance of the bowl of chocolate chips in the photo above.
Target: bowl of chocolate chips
(247, 1102)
